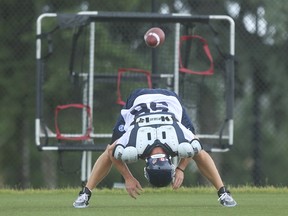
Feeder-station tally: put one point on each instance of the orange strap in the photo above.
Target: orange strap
(78, 106)
(120, 101)
(206, 49)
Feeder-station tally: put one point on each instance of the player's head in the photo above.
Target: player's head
(159, 170)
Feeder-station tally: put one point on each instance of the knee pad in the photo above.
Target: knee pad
(130, 154)
(118, 151)
(196, 145)
(186, 150)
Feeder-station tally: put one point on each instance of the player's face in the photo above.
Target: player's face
(157, 150)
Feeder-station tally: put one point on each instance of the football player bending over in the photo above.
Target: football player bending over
(154, 126)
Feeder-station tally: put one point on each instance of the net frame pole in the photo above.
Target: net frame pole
(176, 58)
(39, 93)
(230, 83)
(91, 89)
(84, 123)
(87, 155)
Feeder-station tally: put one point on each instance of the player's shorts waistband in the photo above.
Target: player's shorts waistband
(155, 119)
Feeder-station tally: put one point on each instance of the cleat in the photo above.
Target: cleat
(227, 200)
(225, 197)
(82, 199)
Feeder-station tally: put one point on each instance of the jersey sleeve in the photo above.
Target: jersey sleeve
(118, 129)
(186, 121)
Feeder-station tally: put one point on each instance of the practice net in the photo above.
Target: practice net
(88, 63)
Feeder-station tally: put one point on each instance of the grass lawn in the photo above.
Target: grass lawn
(185, 201)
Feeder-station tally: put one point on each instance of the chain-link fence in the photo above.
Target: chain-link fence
(260, 126)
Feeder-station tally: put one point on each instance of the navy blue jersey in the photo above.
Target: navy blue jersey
(144, 101)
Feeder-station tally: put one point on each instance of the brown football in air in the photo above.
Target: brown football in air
(154, 37)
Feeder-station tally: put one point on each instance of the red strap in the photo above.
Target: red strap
(77, 106)
(124, 70)
(206, 49)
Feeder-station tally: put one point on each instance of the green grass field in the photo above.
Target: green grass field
(185, 201)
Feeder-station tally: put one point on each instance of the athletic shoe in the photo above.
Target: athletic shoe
(82, 199)
(225, 198)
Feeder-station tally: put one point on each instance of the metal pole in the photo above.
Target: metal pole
(91, 87)
(176, 58)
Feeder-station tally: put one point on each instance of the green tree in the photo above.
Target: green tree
(260, 99)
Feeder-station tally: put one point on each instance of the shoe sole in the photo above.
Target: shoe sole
(80, 206)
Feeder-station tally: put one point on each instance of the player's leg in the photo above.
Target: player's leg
(100, 169)
(208, 168)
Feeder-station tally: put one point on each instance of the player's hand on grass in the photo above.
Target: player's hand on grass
(133, 187)
(178, 180)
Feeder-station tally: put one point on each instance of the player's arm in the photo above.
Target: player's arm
(132, 185)
(179, 172)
